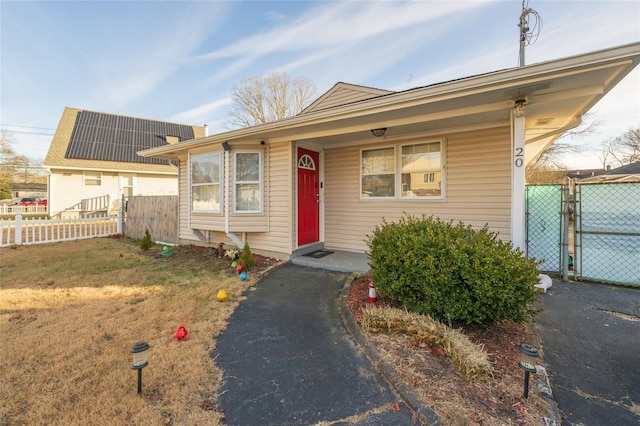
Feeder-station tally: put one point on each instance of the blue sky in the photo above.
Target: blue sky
(178, 60)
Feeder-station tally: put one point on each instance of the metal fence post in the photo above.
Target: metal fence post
(566, 216)
(577, 232)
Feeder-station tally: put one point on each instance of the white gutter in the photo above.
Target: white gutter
(626, 56)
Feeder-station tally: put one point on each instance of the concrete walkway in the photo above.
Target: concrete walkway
(591, 342)
(289, 360)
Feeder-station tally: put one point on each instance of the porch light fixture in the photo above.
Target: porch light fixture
(139, 351)
(226, 146)
(378, 133)
(528, 355)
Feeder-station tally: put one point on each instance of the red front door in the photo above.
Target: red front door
(308, 197)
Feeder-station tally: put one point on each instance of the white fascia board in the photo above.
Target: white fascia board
(624, 57)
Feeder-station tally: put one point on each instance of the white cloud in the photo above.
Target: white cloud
(139, 71)
(203, 113)
(333, 25)
(582, 29)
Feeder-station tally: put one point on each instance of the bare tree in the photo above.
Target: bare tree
(544, 174)
(621, 150)
(547, 166)
(6, 171)
(17, 168)
(605, 153)
(261, 100)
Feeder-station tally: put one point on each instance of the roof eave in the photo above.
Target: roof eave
(626, 57)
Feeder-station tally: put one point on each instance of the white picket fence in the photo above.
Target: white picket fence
(14, 209)
(23, 231)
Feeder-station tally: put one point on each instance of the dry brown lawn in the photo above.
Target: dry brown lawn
(70, 313)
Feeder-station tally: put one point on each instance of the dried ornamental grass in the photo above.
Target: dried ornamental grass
(470, 358)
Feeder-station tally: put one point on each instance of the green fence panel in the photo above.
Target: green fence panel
(608, 232)
(544, 225)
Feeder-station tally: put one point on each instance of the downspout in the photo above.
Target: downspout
(226, 191)
(239, 243)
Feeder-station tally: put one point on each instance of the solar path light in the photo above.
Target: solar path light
(528, 355)
(139, 351)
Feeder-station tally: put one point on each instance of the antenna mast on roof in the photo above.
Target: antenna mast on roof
(528, 35)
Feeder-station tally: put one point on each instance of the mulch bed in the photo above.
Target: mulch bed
(441, 387)
(199, 256)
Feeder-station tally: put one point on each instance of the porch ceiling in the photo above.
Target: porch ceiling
(558, 94)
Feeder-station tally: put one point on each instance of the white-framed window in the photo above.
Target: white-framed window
(408, 171)
(126, 185)
(92, 178)
(248, 182)
(421, 170)
(205, 180)
(378, 173)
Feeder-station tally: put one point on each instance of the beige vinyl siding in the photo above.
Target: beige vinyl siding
(249, 222)
(238, 222)
(278, 202)
(268, 232)
(185, 235)
(202, 221)
(477, 190)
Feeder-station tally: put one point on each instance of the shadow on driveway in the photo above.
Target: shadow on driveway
(591, 342)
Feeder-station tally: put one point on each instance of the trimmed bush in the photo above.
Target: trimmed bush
(452, 272)
(146, 243)
(247, 260)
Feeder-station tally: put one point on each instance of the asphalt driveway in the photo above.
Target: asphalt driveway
(289, 360)
(591, 342)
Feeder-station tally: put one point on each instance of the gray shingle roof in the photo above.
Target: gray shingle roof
(628, 169)
(110, 137)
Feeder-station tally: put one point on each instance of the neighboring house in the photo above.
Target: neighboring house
(584, 173)
(20, 190)
(92, 160)
(356, 156)
(624, 174)
(25, 190)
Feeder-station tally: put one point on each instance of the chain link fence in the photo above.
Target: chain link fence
(607, 232)
(544, 225)
(589, 231)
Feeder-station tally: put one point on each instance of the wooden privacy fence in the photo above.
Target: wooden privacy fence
(21, 230)
(157, 213)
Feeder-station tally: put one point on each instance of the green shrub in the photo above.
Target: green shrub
(452, 272)
(247, 260)
(146, 243)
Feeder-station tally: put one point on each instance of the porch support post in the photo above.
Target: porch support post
(518, 234)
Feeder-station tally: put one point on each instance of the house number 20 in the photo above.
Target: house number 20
(519, 157)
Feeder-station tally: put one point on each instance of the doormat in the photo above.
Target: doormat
(318, 254)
